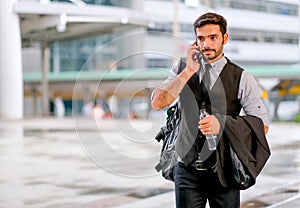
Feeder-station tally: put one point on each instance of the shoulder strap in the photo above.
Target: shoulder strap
(182, 65)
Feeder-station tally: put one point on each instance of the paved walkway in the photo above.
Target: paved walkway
(82, 163)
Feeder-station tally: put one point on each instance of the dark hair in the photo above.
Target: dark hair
(211, 18)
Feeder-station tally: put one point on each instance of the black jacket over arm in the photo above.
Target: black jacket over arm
(246, 136)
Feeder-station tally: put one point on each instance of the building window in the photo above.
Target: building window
(82, 54)
(118, 3)
(158, 63)
(256, 5)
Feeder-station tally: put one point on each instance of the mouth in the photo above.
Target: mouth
(207, 52)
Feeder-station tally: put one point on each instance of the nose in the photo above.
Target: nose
(205, 44)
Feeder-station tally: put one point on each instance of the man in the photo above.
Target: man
(230, 89)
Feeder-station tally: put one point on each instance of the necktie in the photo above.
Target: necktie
(205, 83)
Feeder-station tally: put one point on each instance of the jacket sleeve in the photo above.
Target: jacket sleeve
(245, 134)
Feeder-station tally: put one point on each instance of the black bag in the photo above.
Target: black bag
(168, 134)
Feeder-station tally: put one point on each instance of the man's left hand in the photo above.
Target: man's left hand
(209, 125)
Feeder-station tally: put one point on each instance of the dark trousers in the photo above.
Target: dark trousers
(194, 187)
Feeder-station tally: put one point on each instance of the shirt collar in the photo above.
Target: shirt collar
(219, 63)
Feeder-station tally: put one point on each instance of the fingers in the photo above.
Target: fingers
(209, 125)
(205, 126)
(192, 50)
(193, 47)
(194, 44)
(205, 131)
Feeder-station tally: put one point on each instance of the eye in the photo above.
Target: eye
(201, 39)
(214, 37)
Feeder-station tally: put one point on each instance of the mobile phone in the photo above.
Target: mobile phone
(197, 56)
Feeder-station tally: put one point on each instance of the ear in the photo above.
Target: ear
(225, 38)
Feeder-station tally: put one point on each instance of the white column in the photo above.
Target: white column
(11, 75)
(176, 29)
(45, 81)
(56, 57)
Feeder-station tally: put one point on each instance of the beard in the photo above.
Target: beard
(216, 53)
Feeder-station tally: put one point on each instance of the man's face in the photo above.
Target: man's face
(211, 41)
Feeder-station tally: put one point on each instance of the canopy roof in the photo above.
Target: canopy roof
(44, 22)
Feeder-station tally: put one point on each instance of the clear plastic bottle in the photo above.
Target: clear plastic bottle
(211, 138)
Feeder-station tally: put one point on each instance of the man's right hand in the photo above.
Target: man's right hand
(190, 61)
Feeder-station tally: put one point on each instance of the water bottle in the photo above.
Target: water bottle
(211, 138)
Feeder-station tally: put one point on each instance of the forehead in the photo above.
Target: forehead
(209, 29)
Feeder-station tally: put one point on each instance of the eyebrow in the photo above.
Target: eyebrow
(211, 35)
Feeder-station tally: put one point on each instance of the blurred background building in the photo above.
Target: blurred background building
(114, 52)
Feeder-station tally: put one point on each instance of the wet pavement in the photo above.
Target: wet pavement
(72, 163)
